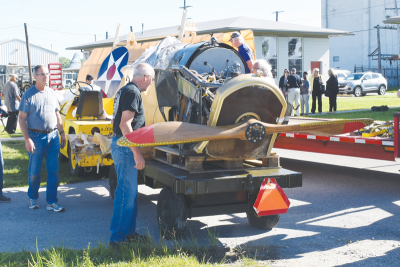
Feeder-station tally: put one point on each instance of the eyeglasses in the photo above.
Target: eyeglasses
(42, 74)
(152, 78)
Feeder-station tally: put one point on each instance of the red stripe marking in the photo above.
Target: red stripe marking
(352, 126)
(143, 135)
(344, 139)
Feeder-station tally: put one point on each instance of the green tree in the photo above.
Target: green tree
(64, 61)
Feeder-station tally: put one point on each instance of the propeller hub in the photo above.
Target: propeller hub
(255, 132)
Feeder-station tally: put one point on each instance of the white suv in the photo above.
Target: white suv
(362, 83)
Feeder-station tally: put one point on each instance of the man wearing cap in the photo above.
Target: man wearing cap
(293, 83)
(244, 50)
(11, 100)
(92, 86)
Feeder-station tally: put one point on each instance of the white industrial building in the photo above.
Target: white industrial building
(13, 51)
(361, 17)
(284, 45)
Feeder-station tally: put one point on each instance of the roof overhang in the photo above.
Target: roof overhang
(259, 27)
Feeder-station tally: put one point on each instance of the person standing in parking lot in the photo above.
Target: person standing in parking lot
(332, 87)
(304, 95)
(129, 116)
(11, 100)
(315, 85)
(40, 123)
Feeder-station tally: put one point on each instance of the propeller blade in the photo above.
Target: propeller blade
(167, 133)
(327, 128)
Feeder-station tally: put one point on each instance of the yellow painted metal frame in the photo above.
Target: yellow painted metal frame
(238, 83)
(85, 125)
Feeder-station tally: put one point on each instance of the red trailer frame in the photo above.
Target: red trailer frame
(344, 145)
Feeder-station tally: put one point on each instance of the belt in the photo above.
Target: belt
(40, 131)
(117, 135)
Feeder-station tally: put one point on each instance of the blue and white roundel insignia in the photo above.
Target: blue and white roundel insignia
(110, 75)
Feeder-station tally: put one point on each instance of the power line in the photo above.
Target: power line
(11, 27)
(53, 40)
(62, 32)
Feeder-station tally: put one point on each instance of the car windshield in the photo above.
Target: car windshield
(354, 76)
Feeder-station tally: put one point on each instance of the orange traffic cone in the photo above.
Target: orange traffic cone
(271, 199)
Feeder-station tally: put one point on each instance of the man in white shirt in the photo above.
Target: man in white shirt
(90, 80)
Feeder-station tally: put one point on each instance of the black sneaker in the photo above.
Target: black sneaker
(4, 199)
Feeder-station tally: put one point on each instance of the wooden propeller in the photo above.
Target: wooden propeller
(167, 133)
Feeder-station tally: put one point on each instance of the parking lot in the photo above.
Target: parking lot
(345, 213)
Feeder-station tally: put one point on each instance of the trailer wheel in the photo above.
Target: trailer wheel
(113, 181)
(171, 214)
(260, 222)
(73, 165)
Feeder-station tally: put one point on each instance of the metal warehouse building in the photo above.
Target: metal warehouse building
(14, 51)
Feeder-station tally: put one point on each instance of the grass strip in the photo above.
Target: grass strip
(4, 134)
(142, 253)
(375, 115)
(16, 162)
(355, 103)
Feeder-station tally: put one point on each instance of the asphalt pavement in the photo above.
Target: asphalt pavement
(347, 212)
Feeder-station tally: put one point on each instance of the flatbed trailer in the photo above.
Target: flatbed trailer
(217, 187)
(344, 145)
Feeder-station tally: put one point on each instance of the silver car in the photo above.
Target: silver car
(362, 83)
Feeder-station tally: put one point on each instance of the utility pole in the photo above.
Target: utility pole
(184, 5)
(377, 27)
(95, 37)
(106, 35)
(29, 54)
(277, 12)
(379, 49)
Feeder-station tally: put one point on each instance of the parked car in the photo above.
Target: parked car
(342, 74)
(362, 83)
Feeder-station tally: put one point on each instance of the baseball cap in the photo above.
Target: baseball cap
(14, 75)
(234, 35)
(89, 77)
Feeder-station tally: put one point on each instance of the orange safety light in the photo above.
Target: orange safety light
(271, 199)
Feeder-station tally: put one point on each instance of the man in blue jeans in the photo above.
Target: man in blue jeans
(3, 198)
(40, 123)
(128, 116)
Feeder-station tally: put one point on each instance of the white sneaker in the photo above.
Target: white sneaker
(55, 207)
(33, 204)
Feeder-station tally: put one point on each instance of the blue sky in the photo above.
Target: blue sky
(81, 20)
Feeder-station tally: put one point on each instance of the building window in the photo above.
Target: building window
(268, 52)
(335, 59)
(295, 54)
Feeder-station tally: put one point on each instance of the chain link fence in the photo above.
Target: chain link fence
(391, 74)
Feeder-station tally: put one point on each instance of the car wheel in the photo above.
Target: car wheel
(357, 91)
(73, 165)
(382, 90)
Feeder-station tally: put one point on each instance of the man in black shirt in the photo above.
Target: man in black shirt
(293, 83)
(128, 115)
